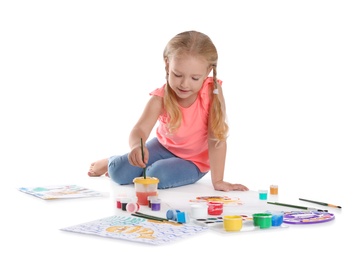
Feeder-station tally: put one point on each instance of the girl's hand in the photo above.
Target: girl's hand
(226, 186)
(135, 157)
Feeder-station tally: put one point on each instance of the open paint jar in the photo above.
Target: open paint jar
(263, 194)
(277, 218)
(198, 211)
(215, 208)
(274, 190)
(155, 204)
(262, 220)
(232, 223)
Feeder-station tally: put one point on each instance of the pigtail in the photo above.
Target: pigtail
(172, 108)
(218, 125)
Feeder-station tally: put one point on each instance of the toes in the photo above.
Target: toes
(91, 174)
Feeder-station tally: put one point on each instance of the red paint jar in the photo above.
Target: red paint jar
(215, 208)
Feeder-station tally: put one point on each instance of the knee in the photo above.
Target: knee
(119, 170)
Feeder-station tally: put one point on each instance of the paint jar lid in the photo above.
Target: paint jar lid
(132, 207)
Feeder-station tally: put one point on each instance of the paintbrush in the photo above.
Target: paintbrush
(142, 215)
(321, 203)
(142, 156)
(296, 206)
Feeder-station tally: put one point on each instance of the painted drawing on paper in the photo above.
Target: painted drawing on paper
(60, 192)
(137, 229)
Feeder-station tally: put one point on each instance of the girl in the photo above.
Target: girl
(192, 130)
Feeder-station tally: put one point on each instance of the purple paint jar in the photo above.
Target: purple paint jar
(155, 204)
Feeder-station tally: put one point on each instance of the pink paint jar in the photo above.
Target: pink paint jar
(215, 208)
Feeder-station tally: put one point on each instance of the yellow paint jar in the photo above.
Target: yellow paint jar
(232, 223)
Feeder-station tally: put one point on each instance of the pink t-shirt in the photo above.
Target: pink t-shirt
(190, 141)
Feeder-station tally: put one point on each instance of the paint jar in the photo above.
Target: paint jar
(215, 208)
(182, 217)
(155, 204)
(171, 214)
(274, 190)
(198, 211)
(277, 218)
(145, 187)
(262, 220)
(132, 207)
(118, 202)
(263, 194)
(232, 223)
(124, 202)
(150, 198)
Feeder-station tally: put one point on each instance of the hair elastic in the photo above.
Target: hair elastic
(216, 91)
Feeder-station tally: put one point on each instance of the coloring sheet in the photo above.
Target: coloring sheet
(60, 192)
(137, 229)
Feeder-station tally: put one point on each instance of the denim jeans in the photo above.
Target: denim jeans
(171, 170)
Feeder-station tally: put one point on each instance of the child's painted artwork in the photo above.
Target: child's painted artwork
(137, 229)
(60, 192)
(307, 217)
(223, 199)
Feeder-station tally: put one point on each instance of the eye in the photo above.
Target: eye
(177, 75)
(196, 79)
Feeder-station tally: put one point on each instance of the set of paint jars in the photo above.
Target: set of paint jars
(127, 204)
(274, 190)
(268, 219)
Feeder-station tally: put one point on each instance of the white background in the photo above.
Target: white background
(75, 75)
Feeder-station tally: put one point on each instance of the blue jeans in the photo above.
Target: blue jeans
(171, 170)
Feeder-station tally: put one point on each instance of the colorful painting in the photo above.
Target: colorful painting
(60, 192)
(137, 229)
(307, 217)
(223, 199)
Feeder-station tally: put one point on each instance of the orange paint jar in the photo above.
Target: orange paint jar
(274, 190)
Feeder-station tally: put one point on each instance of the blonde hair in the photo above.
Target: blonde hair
(195, 43)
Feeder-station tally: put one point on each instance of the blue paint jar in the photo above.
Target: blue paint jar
(182, 217)
(171, 214)
(277, 218)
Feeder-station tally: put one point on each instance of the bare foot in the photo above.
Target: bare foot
(99, 168)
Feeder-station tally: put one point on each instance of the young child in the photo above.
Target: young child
(192, 130)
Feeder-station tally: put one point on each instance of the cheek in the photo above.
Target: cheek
(174, 81)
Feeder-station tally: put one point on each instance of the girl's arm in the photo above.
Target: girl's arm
(142, 130)
(217, 157)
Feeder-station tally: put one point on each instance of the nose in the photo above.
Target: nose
(184, 83)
